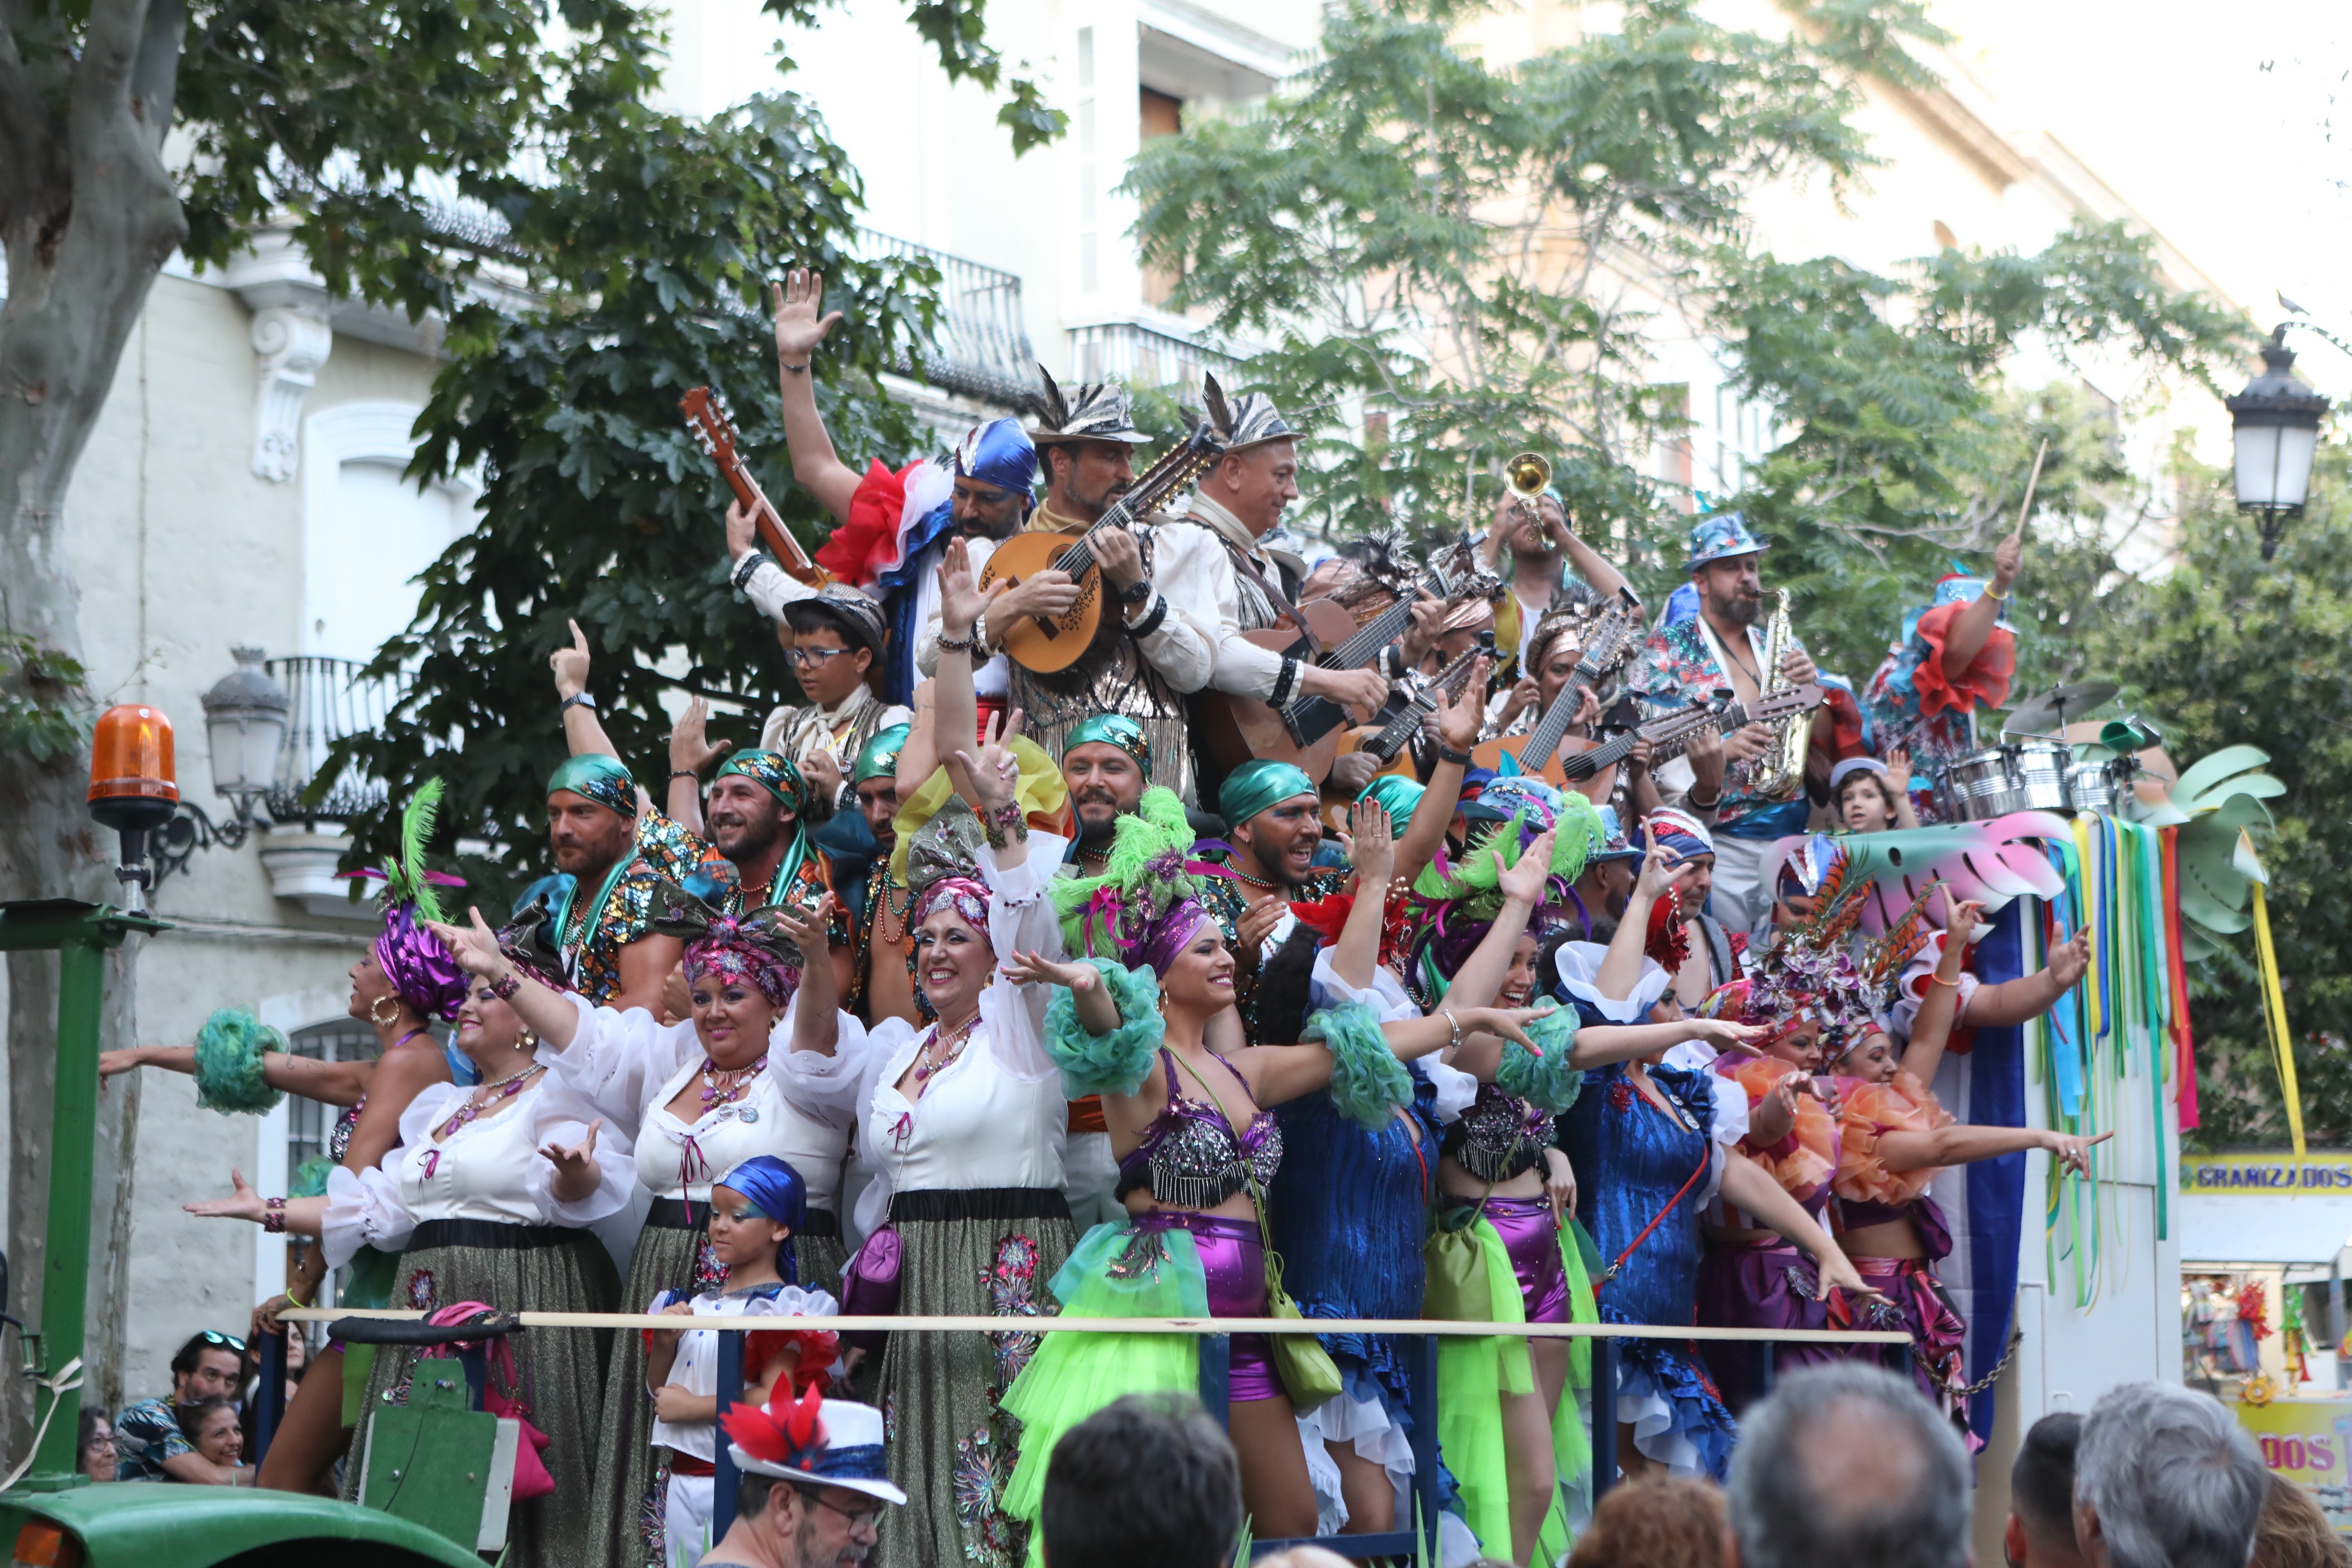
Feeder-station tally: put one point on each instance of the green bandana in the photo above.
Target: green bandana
(1395, 794)
(879, 758)
(772, 770)
(1114, 729)
(599, 778)
(1252, 788)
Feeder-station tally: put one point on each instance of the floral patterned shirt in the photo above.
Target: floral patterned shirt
(596, 923)
(1678, 666)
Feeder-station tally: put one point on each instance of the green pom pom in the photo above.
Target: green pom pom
(1116, 1063)
(229, 1049)
(310, 1178)
(1368, 1082)
(1547, 1081)
(1156, 827)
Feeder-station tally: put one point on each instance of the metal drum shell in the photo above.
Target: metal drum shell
(2021, 775)
(2090, 786)
(2038, 772)
(1974, 785)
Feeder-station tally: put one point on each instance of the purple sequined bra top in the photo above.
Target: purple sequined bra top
(1499, 1136)
(1190, 1157)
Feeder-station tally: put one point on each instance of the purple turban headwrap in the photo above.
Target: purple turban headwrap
(967, 897)
(1166, 936)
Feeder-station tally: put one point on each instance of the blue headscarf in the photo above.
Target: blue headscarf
(1000, 453)
(775, 1189)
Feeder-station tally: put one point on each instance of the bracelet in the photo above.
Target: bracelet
(293, 1298)
(1002, 823)
(965, 644)
(577, 700)
(801, 369)
(1941, 980)
(1284, 683)
(506, 985)
(1446, 753)
(1690, 804)
(685, 774)
(1454, 1024)
(1151, 623)
(273, 1218)
(752, 561)
(1996, 598)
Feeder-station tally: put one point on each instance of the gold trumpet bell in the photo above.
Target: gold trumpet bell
(1529, 475)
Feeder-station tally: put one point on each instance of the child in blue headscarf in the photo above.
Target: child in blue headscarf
(754, 1209)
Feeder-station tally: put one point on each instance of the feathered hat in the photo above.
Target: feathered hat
(1096, 412)
(1146, 905)
(813, 1441)
(413, 959)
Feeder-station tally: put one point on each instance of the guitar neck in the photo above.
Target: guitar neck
(1160, 481)
(773, 534)
(1552, 728)
(1399, 729)
(1669, 738)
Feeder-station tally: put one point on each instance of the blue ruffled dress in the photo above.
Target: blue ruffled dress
(1631, 1159)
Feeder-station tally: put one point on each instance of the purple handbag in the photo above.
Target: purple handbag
(869, 1285)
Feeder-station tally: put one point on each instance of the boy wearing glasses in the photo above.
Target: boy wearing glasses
(837, 644)
(149, 1443)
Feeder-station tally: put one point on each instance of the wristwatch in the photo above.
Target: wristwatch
(1135, 592)
(577, 700)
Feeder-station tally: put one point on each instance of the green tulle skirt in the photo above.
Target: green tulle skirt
(1473, 1377)
(1115, 1272)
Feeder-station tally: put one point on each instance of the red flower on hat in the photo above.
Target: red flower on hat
(790, 1434)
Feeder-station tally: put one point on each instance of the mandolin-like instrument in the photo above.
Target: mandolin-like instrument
(1671, 735)
(1049, 644)
(1537, 753)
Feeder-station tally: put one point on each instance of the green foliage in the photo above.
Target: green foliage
(2227, 650)
(1472, 256)
(45, 705)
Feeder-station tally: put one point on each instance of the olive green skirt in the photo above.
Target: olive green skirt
(560, 1373)
(989, 1252)
(627, 1495)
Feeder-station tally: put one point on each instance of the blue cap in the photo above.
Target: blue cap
(1724, 534)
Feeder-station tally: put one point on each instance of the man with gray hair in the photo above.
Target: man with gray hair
(2165, 1478)
(1847, 1464)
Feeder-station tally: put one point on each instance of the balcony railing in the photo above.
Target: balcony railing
(330, 699)
(980, 342)
(1142, 356)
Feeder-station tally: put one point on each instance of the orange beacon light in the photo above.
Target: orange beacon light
(132, 788)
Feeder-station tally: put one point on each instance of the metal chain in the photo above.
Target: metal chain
(2016, 1338)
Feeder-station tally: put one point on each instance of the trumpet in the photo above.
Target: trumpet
(1528, 475)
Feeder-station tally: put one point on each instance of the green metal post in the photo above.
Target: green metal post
(80, 934)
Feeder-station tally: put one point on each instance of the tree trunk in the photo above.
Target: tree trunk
(88, 216)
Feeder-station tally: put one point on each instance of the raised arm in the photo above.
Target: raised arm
(799, 330)
(1283, 1073)
(1963, 1144)
(1933, 1027)
(816, 1017)
(329, 1083)
(2012, 1002)
(552, 1017)
(1621, 969)
(1480, 979)
(583, 733)
(1356, 956)
(1973, 627)
(955, 709)
(690, 752)
(1598, 1045)
(919, 759)
(1458, 722)
(1591, 564)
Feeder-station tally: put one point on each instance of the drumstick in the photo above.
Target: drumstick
(2032, 481)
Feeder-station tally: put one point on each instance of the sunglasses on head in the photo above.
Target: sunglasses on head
(215, 1337)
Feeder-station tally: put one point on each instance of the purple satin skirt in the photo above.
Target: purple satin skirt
(1771, 1287)
(1233, 1255)
(1530, 1233)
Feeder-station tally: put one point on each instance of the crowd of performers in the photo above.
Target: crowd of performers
(975, 990)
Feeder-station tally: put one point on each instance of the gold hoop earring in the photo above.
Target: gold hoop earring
(379, 1017)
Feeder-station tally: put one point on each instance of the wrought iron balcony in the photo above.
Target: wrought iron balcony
(330, 699)
(979, 341)
(1143, 356)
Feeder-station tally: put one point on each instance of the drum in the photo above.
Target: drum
(2090, 786)
(2024, 775)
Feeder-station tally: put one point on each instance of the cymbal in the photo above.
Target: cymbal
(2048, 712)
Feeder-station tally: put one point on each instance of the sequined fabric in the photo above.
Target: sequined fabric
(1190, 1157)
(1499, 1136)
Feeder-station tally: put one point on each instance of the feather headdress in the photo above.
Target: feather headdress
(1146, 901)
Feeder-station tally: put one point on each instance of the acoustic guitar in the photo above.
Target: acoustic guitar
(1537, 752)
(1307, 731)
(1389, 737)
(1671, 735)
(706, 417)
(1049, 644)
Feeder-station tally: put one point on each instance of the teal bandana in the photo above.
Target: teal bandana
(772, 770)
(879, 758)
(599, 778)
(1252, 788)
(1114, 729)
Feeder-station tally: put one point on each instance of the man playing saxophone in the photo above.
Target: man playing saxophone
(1759, 798)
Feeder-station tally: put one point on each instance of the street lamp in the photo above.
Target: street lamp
(245, 720)
(2275, 425)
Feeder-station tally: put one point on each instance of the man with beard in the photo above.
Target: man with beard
(1688, 661)
(893, 527)
(1147, 655)
(1241, 588)
(1607, 880)
(878, 904)
(1541, 546)
(814, 1485)
(149, 1443)
(1273, 823)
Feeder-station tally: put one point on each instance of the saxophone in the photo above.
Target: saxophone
(1781, 772)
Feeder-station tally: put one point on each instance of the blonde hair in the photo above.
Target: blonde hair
(2293, 1533)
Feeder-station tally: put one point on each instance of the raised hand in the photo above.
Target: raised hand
(1661, 868)
(1371, 847)
(1966, 919)
(1256, 923)
(822, 769)
(1508, 1022)
(1898, 772)
(243, 1203)
(995, 774)
(1525, 694)
(805, 926)
(475, 948)
(2008, 557)
(575, 1163)
(691, 749)
(1523, 882)
(1722, 1033)
(961, 602)
(1587, 712)
(1460, 719)
(1037, 969)
(799, 327)
(2071, 960)
(571, 664)
(742, 531)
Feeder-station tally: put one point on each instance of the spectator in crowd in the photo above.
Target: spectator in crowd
(148, 1440)
(2294, 1533)
(1148, 1481)
(2166, 1479)
(2041, 1529)
(1850, 1465)
(95, 1454)
(1659, 1521)
(814, 1485)
(213, 1430)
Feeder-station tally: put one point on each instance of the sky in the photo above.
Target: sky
(2228, 126)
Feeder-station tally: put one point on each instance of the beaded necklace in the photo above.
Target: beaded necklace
(928, 1064)
(725, 1086)
(479, 1101)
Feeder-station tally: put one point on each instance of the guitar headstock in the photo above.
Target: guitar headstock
(1454, 563)
(1785, 704)
(706, 413)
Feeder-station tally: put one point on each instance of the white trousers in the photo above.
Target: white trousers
(685, 1519)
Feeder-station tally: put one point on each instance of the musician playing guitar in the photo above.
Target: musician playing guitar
(1242, 588)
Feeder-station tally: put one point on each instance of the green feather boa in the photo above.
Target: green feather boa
(1368, 1082)
(1116, 1063)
